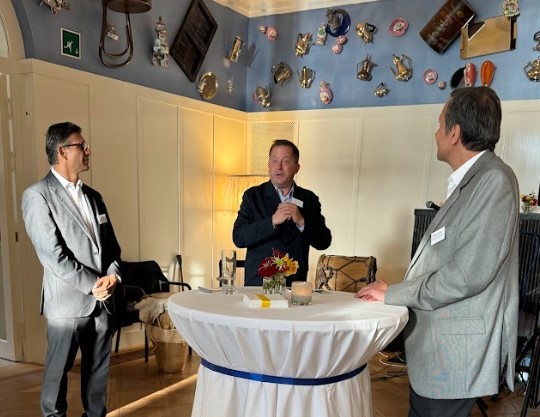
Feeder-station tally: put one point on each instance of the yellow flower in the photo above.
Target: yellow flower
(292, 266)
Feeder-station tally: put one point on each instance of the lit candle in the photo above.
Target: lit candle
(301, 293)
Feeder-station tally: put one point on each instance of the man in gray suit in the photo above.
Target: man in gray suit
(70, 229)
(461, 286)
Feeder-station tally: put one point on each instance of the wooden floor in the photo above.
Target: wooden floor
(139, 389)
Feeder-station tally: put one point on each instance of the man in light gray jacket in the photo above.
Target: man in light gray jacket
(461, 286)
(70, 229)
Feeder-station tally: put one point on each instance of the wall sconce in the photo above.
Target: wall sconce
(237, 185)
(236, 49)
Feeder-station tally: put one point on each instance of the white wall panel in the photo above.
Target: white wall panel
(522, 148)
(393, 166)
(113, 139)
(198, 155)
(229, 159)
(329, 161)
(158, 160)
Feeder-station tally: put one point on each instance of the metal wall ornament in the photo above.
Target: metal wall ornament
(306, 76)
(487, 72)
(56, 5)
(404, 70)
(236, 48)
(282, 73)
(121, 6)
(366, 31)
(381, 90)
(326, 94)
(364, 68)
(303, 43)
(262, 96)
(160, 50)
(339, 22)
(536, 38)
(532, 70)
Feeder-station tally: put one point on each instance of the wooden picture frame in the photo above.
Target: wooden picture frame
(193, 39)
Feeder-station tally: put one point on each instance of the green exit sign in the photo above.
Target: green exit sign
(71, 43)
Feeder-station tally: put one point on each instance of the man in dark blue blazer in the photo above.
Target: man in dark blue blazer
(280, 215)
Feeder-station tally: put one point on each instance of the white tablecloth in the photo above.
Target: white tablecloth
(334, 335)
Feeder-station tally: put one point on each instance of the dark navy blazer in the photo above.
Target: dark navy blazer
(253, 230)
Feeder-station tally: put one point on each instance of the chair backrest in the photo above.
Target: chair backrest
(345, 273)
(529, 282)
(240, 263)
(146, 275)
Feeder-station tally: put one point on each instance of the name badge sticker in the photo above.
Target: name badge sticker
(298, 202)
(102, 218)
(438, 235)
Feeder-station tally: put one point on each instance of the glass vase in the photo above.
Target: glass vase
(274, 285)
(526, 209)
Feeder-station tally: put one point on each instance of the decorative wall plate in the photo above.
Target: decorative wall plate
(430, 76)
(208, 85)
(398, 27)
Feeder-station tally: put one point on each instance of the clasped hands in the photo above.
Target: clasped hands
(104, 287)
(286, 211)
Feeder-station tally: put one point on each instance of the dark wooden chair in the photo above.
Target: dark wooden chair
(140, 279)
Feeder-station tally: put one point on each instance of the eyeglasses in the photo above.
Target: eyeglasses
(82, 146)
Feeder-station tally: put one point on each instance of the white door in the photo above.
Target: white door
(8, 237)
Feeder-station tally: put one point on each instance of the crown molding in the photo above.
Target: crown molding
(257, 8)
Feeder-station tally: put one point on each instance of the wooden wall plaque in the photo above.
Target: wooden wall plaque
(193, 39)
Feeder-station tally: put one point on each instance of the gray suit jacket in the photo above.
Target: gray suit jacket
(462, 291)
(71, 258)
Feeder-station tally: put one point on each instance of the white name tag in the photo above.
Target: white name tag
(437, 236)
(102, 218)
(298, 202)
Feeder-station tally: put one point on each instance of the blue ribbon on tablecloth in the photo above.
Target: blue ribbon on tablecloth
(279, 379)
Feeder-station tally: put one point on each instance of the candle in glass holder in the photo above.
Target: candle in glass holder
(301, 293)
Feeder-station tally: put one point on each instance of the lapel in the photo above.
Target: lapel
(65, 200)
(94, 204)
(271, 197)
(454, 197)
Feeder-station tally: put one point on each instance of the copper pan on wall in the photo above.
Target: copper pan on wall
(446, 24)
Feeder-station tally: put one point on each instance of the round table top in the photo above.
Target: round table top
(337, 332)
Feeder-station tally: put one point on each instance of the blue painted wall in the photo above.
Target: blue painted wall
(340, 70)
(41, 32)
(41, 35)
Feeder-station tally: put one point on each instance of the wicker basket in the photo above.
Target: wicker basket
(169, 347)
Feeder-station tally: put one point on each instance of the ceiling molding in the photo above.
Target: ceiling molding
(256, 8)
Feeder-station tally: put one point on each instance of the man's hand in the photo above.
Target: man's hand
(376, 291)
(104, 287)
(287, 211)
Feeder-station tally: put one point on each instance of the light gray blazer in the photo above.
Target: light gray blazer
(462, 292)
(71, 258)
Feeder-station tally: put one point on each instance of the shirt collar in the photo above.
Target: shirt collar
(286, 197)
(459, 173)
(65, 183)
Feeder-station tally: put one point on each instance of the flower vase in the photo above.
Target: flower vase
(274, 285)
(526, 209)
